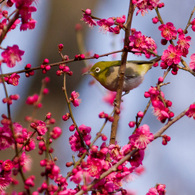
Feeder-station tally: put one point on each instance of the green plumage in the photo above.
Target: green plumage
(106, 72)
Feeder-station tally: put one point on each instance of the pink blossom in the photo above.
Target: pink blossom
(171, 56)
(105, 24)
(32, 99)
(161, 189)
(95, 167)
(25, 11)
(23, 161)
(67, 192)
(5, 172)
(145, 5)
(152, 191)
(6, 138)
(141, 44)
(75, 140)
(110, 97)
(74, 98)
(41, 127)
(12, 55)
(168, 31)
(22, 135)
(160, 104)
(30, 182)
(183, 44)
(88, 19)
(192, 62)
(13, 79)
(141, 137)
(56, 132)
(160, 111)
(191, 111)
(193, 24)
(78, 176)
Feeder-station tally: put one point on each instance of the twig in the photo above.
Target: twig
(112, 169)
(189, 21)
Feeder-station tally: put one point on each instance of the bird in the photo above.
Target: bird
(107, 73)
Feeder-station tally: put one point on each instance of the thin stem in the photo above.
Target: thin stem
(189, 21)
(7, 28)
(159, 16)
(169, 123)
(71, 114)
(13, 134)
(128, 156)
(61, 62)
(106, 173)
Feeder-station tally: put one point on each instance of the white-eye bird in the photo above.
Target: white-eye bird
(106, 72)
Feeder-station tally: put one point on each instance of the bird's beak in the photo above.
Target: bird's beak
(88, 72)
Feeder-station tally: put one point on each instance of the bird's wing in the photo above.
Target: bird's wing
(130, 73)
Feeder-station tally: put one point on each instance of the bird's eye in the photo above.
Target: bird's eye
(97, 69)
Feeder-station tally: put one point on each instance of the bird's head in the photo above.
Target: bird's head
(100, 69)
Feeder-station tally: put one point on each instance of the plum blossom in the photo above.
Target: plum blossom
(191, 111)
(145, 5)
(141, 137)
(88, 19)
(141, 44)
(183, 44)
(192, 62)
(74, 98)
(160, 104)
(11, 55)
(171, 56)
(168, 31)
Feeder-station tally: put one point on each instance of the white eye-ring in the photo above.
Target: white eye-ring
(97, 69)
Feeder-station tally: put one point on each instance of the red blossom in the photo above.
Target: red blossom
(171, 56)
(191, 111)
(193, 24)
(31, 100)
(12, 55)
(74, 98)
(192, 62)
(152, 191)
(88, 19)
(25, 11)
(141, 44)
(5, 173)
(13, 79)
(145, 5)
(183, 44)
(75, 140)
(110, 97)
(168, 31)
(56, 132)
(160, 104)
(141, 137)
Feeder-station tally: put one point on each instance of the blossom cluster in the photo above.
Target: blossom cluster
(101, 159)
(144, 5)
(160, 104)
(106, 166)
(172, 55)
(112, 24)
(141, 44)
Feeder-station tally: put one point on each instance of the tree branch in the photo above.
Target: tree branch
(121, 75)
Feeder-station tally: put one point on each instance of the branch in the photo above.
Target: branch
(7, 28)
(163, 129)
(112, 169)
(121, 75)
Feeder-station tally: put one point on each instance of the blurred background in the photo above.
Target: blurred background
(56, 21)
